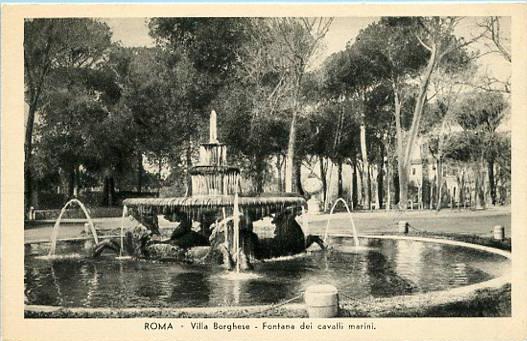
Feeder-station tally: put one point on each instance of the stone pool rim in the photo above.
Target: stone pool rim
(419, 300)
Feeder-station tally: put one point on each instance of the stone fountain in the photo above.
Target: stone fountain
(224, 214)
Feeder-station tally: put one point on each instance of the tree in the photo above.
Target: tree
(158, 88)
(393, 50)
(300, 38)
(252, 103)
(267, 86)
(480, 114)
(50, 45)
(436, 35)
(331, 134)
(499, 40)
(82, 107)
(410, 50)
(503, 174)
(252, 132)
(132, 67)
(350, 77)
(441, 117)
(379, 120)
(211, 47)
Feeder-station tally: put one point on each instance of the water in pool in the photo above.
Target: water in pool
(382, 268)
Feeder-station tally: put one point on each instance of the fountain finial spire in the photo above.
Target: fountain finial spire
(213, 132)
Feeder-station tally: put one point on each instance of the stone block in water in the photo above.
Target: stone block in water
(166, 251)
(198, 252)
(322, 301)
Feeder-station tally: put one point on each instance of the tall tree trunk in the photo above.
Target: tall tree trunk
(28, 186)
(139, 172)
(28, 149)
(462, 189)
(105, 192)
(108, 190)
(439, 183)
(433, 191)
(298, 177)
(372, 185)
(290, 155)
(278, 165)
(34, 195)
(419, 105)
(420, 196)
(485, 180)
(365, 165)
(380, 178)
(492, 183)
(329, 171)
(340, 188)
(396, 187)
(323, 179)
(403, 187)
(354, 195)
(404, 157)
(259, 163)
(159, 169)
(479, 186)
(380, 187)
(111, 193)
(360, 180)
(189, 166)
(400, 183)
(388, 185)
(35, 85)
(71, 181)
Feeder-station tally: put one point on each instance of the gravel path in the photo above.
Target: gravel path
(447, 221)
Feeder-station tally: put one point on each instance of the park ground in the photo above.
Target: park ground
(478, 223)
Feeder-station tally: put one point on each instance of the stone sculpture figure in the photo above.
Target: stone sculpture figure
(143, 241)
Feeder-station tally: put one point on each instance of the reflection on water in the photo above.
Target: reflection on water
(410, 261)
(381, 268)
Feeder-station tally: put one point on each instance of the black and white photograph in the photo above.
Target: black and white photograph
(285, 166)
(316, 173)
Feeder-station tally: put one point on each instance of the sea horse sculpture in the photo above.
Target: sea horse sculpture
(288, 239)
(143, 241)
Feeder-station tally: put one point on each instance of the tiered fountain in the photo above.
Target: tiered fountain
(216, 196)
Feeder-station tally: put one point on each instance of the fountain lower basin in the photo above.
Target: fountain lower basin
(387, 267)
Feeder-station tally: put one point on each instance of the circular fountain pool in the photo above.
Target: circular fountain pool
(379, 268)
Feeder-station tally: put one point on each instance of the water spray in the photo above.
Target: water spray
(355, 238)
(56, 227)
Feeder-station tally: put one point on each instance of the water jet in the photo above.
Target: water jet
(56, 226)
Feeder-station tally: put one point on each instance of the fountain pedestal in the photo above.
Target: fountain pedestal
(313, 206)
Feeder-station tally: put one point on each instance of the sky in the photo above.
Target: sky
(133, 32)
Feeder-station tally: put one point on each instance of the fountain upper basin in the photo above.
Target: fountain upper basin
(258, 207)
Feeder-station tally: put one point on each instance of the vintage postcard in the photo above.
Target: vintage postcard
(264, 172)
